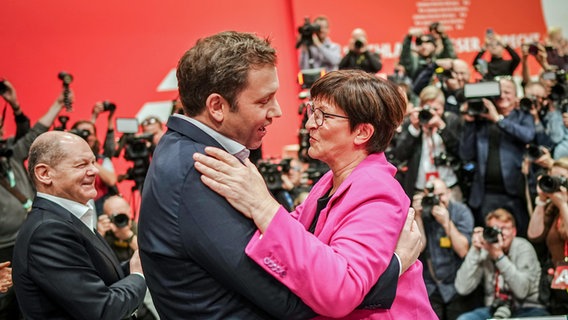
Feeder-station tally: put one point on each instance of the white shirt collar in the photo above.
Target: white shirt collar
(85, 213)
(232, 146)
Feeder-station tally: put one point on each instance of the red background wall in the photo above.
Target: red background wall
(122, 50)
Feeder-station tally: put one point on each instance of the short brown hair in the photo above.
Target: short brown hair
(500, 214)
(365, 99)
(220, 64)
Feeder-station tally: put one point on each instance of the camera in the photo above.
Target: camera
(81, 133)
(501, 307)
(533, 151)
(425, 114)
(5, 154)
(65, 77)
(3, 87)
(358, 44)
(442, 73)
(429, 200)
(136, 149)
(443, 159)
(475, 92)
(109, 106)
(491, 234)
(551, 184)
(533, 49)
(526, 104)
(120, 219)
(306, 31)
(4, 150)
(272, 172)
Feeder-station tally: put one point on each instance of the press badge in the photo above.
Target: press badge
(445, 242)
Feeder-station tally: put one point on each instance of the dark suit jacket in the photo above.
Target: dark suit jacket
(62, 270)
(192, 244)
(517, 129)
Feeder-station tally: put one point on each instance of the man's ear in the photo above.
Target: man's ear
(42, 173)
(363, 133)
(216, 107)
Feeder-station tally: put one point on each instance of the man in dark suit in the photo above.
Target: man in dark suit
(62, 268)
(192, 241)
(496, 139)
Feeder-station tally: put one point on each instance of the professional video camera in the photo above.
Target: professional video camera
(491, 234)
(551, 184)
(120, 220)
(136, 149)
(272, 172)
(475, 92)
(306, 32)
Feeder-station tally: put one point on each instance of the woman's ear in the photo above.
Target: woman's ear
(363, 133)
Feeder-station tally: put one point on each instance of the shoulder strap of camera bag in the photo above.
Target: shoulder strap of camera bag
(26, 203)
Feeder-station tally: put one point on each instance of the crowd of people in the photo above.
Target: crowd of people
(436, 204)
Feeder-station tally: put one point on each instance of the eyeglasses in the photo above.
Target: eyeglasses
(149, 121)
(319, 115)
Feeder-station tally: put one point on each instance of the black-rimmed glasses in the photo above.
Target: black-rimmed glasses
(319, 115)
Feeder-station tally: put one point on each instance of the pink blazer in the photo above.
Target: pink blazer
(333, 269)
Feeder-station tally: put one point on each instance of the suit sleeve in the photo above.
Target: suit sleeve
(217, 240)
(61, 266)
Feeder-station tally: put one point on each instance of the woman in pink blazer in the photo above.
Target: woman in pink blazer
(332, 249)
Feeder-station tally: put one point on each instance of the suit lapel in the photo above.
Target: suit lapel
(92, 237)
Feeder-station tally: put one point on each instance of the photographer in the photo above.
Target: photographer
(152, 125)
(106, 179)
(417, 58)
(452, 75)
(446, 227)
(358, 56)
(549, 129)
(549, 224)
(497, 66)
(320, 51)
(507, 265)
(444, 46)
(496, 140)
(16, 192)
(120, 231)
(429, 141)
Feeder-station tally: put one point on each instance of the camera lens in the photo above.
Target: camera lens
(534, 151)
(358, 44)
(526, 104)
(120, 220)
(551, 184)
(425, 115)
(491, 234)
(108, 106)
